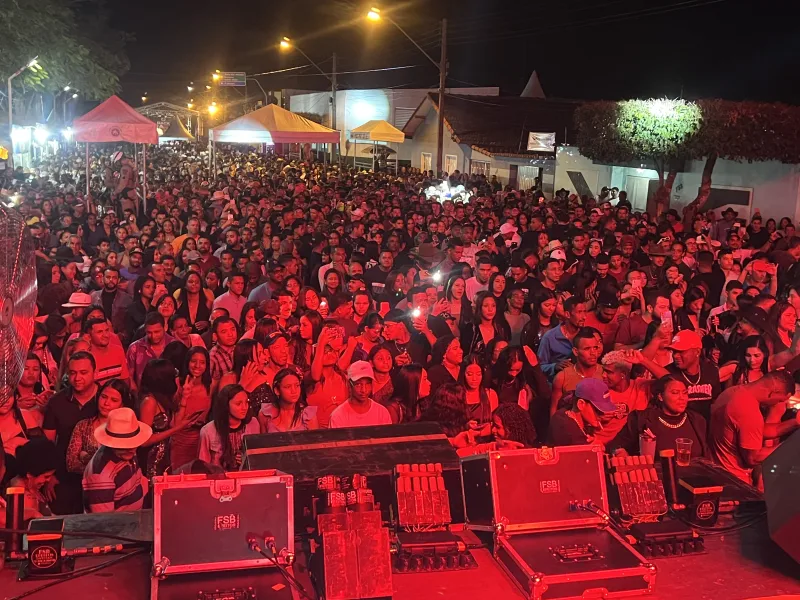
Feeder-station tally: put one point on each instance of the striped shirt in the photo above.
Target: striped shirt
(111, 363)
(221, 361)
(111, 484)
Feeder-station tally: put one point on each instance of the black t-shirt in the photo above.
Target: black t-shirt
(527, 285)
(756, 240)
(564, 431)
(703, 390)
(715, 280)
(108, 301)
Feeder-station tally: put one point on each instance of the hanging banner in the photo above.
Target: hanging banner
(541, 142)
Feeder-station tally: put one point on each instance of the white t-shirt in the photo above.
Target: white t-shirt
(345, 416)
(474, 286)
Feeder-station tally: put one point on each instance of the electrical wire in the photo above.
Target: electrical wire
(81, 534)
(711, 531)
(286, 575)
(77, 574)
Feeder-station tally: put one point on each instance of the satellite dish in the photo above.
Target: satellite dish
(17, 298)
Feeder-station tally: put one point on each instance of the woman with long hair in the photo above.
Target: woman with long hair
(159, 407)
(35, 467)
(487, 325)
(195, 379)
(508, 378)
(782, 323)
(248, 372)
(497, 287)
(692, 308)
(38, 347)
(362, 306)
(382, 391)
(411, 388)
(667, 418)
(302, 342)
(288, 410)
(166, 306)
(447, 407)
(143, 291)
(113, 394)
(511, 425)
(544, 318)
(395, 288)
(369, 336)
(309, 299)
(221, 439)
(455, 293)
(194, 303)
(17, 426)
(752, 365)
(481, 400)
(251, 313)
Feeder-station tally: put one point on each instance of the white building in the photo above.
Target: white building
(770, 186)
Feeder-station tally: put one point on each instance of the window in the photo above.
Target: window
(425, 162)
(480, 167)
(450, 163)
(526, 177)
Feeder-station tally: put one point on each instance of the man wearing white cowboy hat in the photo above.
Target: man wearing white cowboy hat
(113, 480)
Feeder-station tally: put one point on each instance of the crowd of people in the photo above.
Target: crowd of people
(278, 295)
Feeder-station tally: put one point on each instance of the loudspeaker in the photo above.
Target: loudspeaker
(370, 451)
(781, 472)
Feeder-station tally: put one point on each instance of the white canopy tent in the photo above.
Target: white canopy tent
(272, 125)
(377, 131)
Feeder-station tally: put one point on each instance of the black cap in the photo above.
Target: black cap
(607, 299)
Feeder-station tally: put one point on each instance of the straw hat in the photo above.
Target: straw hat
(122, 430)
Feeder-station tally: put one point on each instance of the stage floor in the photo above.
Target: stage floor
(737, 566)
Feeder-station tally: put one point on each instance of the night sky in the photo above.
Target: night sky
(733, 49)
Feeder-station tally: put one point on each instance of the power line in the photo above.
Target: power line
(353, 72)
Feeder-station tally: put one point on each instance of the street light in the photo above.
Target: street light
(287, 44)
(67, 88)
(144, 98)
(375, 15)
(189, 105)
(31, 65)
(64, 105)
(212, 108)
(215, 76)
(190, 88)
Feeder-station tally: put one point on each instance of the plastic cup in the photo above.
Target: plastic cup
(683, 451)
(647, 445)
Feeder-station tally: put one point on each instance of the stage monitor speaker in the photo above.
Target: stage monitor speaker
(781, 472)
(370, 451)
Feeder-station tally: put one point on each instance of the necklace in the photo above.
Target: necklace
(686, 377)
(666, 423)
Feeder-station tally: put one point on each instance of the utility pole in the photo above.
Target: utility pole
(442, 82)
(333, 102)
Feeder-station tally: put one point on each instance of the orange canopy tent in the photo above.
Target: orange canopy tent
(115, 121)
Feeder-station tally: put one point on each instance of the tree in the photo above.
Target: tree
(655, 130)
(73, 41)
(670, 132)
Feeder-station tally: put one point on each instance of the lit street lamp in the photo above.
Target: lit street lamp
(376, 15)
(287, 44)
(64, 105)
(32, 64)
(212, 108)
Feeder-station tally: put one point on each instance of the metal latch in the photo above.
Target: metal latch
(576, 553)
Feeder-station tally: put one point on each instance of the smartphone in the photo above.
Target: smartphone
(666, 318)
(323, 302)
(416, 312)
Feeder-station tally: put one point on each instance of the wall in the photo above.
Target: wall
(356, 107)
(569, 160)
(776, 186)
(424, 140)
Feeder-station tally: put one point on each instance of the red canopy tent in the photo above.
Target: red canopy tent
(115, 121)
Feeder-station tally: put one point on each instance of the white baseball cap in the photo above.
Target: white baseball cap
(359, 370)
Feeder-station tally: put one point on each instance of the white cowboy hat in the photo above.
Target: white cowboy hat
(122, 430)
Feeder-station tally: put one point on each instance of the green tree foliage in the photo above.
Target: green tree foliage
(73, 41)
(668, 132)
